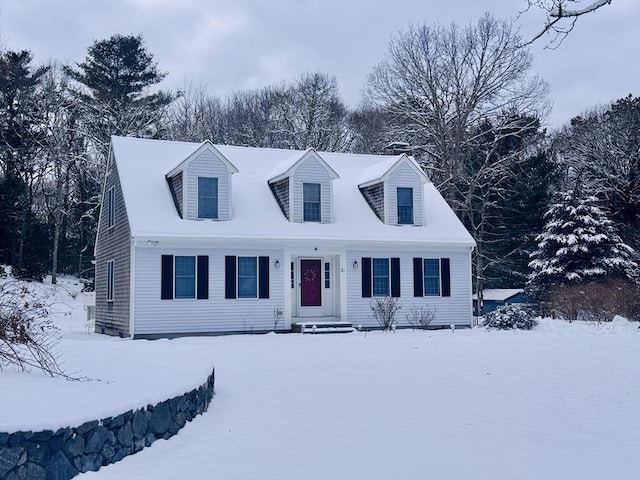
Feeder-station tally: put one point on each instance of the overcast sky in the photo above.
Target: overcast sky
(228, 45)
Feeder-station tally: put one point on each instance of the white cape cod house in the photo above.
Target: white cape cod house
(196, 238)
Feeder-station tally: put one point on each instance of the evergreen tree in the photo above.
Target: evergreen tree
(113, 99)
(578, 245)
(115, 79)
(21, 138)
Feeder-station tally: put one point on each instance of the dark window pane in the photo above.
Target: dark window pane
(247, 277)
(431, 277)
(311, 202)
(207, 197)
(185, 277)
(381, 277)
(405, 206)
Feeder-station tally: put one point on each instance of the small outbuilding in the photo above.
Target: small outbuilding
(492, 298)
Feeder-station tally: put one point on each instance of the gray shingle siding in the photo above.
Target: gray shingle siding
(281, 192)
(113, 244)
(175, 185)
(374, 195)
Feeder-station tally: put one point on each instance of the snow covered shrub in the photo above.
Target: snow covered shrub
(385, 310)
(421, 317)
(510, 317)
(599, 302)
(27, 336)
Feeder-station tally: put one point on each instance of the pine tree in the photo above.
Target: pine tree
(113, 98)
(579, 244)
(115, 79)
(21, 137)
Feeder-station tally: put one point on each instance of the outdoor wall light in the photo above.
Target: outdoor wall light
(153, 243)
(355, 264)
(277, 264)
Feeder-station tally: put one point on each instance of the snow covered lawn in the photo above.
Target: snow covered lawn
(559, 402)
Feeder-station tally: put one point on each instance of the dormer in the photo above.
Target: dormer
(201, 185)
(303, 188)
(394, 189)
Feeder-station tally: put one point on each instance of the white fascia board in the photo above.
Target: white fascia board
(294, 244)
(404, 159)
(309, 152)
(206, 145)
(111, 158)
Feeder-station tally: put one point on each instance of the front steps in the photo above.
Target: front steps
(320, 325)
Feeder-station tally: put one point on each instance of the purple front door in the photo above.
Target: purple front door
(310, 283)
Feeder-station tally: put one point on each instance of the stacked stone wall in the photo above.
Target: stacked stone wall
(65, 453)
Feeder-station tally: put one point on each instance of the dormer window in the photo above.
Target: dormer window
(394, 189)
(311, 202)
(207, 197)
(201, 184)
(303, 187)
(405, 206)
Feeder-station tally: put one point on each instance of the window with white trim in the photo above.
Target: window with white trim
(431, 269)
(111, 207)
(247, 277)
(185, 276)
(405, 206)
(380, 277)
(311, 202)
(207, 197)
(110, 281)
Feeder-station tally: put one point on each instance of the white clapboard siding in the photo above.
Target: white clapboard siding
(311, 171)
(455, 309)
(207, 165)
(404, 176)
(216, 314)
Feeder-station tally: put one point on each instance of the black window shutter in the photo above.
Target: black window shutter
(418, 280)
(445, 279)
(166, 272)
(203, 277)
(395, 277)
(230, 276)
(263, 277)
(366, 277)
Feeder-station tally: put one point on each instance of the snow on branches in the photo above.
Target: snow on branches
(579, 244)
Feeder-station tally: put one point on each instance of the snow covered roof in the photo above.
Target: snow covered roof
(498, 294)
(206, 145)
(142, 165)
(286, 167)
(380, 170)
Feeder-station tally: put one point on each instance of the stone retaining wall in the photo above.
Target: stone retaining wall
(63, 454)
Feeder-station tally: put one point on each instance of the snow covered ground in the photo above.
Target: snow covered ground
(559, 402)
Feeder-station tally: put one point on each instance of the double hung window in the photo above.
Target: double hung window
(207, 197)
(431, 277)
(110, 281)
(405, 206)
(380, 277)
(311, 202)
(247, 277)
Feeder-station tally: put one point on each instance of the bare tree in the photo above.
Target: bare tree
(197, 115)
(561, 17)
(464, 97)
(440, 82)
(599, 152)
(306, 113)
